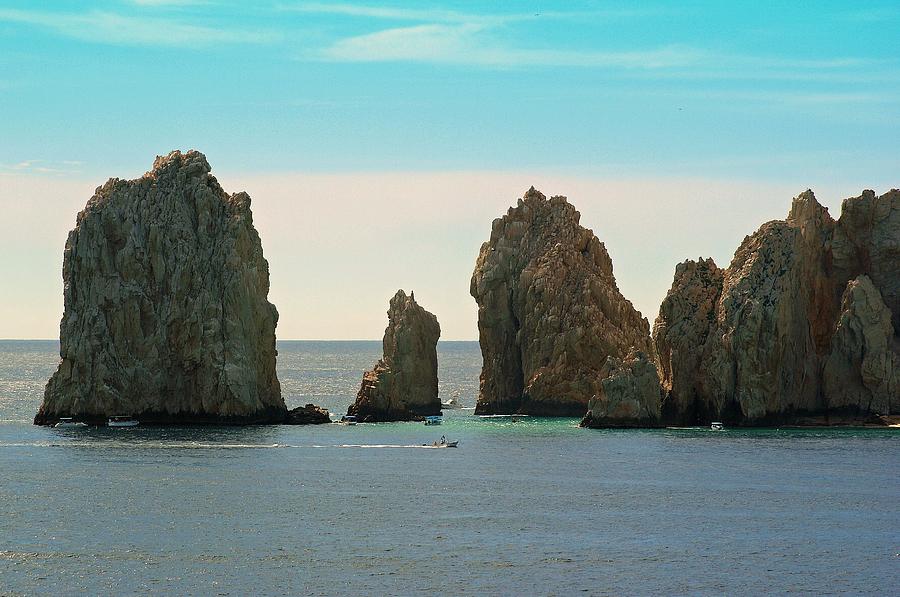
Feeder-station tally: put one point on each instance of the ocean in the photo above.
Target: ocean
(539, 507)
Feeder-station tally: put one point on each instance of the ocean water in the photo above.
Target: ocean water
(536, 507)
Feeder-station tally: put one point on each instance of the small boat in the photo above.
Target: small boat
(434, 420)
(452, 404)
(69, 423)
(121, 421)
(716, 426)
(348, 420)
(442, 444)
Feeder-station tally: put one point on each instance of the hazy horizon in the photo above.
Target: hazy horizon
(378, 142)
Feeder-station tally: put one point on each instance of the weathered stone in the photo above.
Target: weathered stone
(549, 312)
(862, 373)
(867, 241)
(686, 317)
(404, 384)
(630, 394)
(308, 415)
(166, 317)
(789, 339)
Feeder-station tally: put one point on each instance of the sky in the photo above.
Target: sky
(379, 140)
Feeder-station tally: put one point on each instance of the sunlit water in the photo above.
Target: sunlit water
(536, 507)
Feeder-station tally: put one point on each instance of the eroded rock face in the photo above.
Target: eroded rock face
(404, 384)
(799, 329)
(686, 317)
(862, 373)
(549, 312)
(166, 316)
(630, 394)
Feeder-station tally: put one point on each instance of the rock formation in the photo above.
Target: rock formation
(404, 384)
(308, 415)
(686, 317)
(798, 326)
(549, 312)
(862, 372)
(166, 317)
(630, 394)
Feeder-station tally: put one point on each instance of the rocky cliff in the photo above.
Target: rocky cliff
(403, 385)
(166, 317)
(802, 324)
(629, 396)
(549, 312)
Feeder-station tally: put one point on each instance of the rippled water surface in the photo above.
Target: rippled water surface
(537, 507)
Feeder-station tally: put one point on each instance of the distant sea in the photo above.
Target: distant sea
(536, 507)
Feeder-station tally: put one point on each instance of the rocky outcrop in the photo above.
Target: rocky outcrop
(549, 312)
(404, 384)
(630, 394)
(166, 317)
(862, 372)
(308, 415)
(686, 318)
(795, 329)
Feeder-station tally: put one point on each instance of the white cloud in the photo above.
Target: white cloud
(466, 44)
(116, 29)
(42, 167)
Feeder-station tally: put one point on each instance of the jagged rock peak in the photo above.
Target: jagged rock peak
(686, 318)
(549, 311)
(403, 385)
(166, 312)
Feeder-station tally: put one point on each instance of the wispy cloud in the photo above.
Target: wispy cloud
(42, 167)
(437, 15)
(117, 29)
(467, 44)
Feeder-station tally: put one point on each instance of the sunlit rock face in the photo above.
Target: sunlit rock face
(403, 385)
(549, 312)
(801, 324)
(166, 316)
(630, 394)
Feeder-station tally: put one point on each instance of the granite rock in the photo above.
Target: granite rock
(549, 312)
(630, 394)
(166, 317)
(403, 385)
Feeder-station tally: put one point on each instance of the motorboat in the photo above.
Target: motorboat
(452, 404)
(121, 421)
(716, 426)
(442, 444)
(69, 423)
(348, 420)
(434, 420)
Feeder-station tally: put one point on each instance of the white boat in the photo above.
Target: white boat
(716, 426)
(121, 421)
(442, 444)
(434, 420)
(348, 420)
(69, 423)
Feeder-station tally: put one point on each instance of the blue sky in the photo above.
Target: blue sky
(685, 98)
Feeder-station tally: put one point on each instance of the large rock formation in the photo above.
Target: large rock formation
(549, 312)
(799, 326)
(166, 317)
(404, 384)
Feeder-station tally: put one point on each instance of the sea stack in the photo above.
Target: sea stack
(802, 327)
(403, 385)
(549, 313)
(166, 312)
